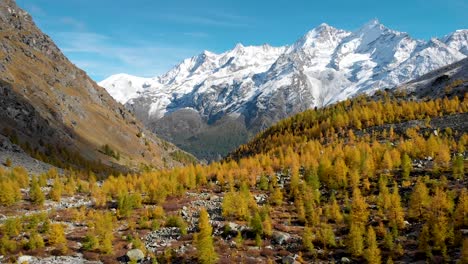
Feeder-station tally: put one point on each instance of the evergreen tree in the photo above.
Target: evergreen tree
(267, 226)
(56, 191)
(276, 197)
(326, 235)
(204, 240)
(424, 240)
(461, 211)
(57, 237)
(355, 240)
(395, 212)
(300, 209)
(35, 193)
(464, 252)
(340, 174)
(263, 183)
(335, 211)
(35, 241)
(106, 245)
(256, 224)
(419, 201)
(406, 166)
(372, 252)
(307, 240)
(359, 210)
(10, 192)
(458, 166)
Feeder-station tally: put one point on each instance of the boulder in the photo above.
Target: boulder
(289, 260)
(233, 226)
(24, 259)
(280, 237)
(345, 260)
(135, 255)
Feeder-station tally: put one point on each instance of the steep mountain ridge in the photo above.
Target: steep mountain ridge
(257, 86)
(56, 111)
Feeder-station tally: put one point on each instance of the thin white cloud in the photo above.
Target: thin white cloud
(75, 24)
(196, 34)
(35, 10)
(102, 56)
(218, 20)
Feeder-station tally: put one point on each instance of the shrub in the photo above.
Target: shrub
(8, 162)
(177, 221)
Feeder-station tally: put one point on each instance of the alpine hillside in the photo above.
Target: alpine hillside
(57, 114)
(245, 90)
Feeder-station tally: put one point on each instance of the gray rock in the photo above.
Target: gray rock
(233, 226)
(280, 237)
(24, 259)
(345, 260)
(289, 260)
(135, 254)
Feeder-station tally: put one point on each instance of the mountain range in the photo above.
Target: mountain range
(244, 90)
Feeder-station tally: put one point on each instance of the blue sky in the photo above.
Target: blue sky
(148, 37)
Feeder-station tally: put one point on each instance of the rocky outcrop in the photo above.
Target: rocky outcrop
(47, 101)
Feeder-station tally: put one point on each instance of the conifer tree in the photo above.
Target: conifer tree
(56, 190)
(57, 237)
(35, 193)
(10, 192)
(340, 174)
(307, 240)
(384, 198)
(335, 211)
(461, 211)
(204, 240)
(35, 241)
(326, 235)
(355, 240)
(8, 162)
(263, 183)
(387, 162)
(256, 224)
(267, 226)
(442, 157)
(424, 240)
(395, 212)
(419, 200)
(359, 210)
(458, 166)
(406, 166)
(372, 252)
(106, 245)
(300, 209)
(276, 197)
(464, 252)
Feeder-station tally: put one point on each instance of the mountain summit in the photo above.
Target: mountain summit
(255, 86)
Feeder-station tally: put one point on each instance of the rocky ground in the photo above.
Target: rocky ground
(18, 157)
(456, 122)
(76, 259)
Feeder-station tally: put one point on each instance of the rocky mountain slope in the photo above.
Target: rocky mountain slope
(451, 80)
(56, 112)
(254, 87)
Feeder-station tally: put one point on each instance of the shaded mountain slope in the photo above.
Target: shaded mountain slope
(54, 109)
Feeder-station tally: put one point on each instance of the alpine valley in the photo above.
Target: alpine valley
(366, 162)
(211, 103)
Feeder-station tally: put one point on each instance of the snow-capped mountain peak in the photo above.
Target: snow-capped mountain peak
(263, 84)
(124, 86)
(457, 40)
(323, 34)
